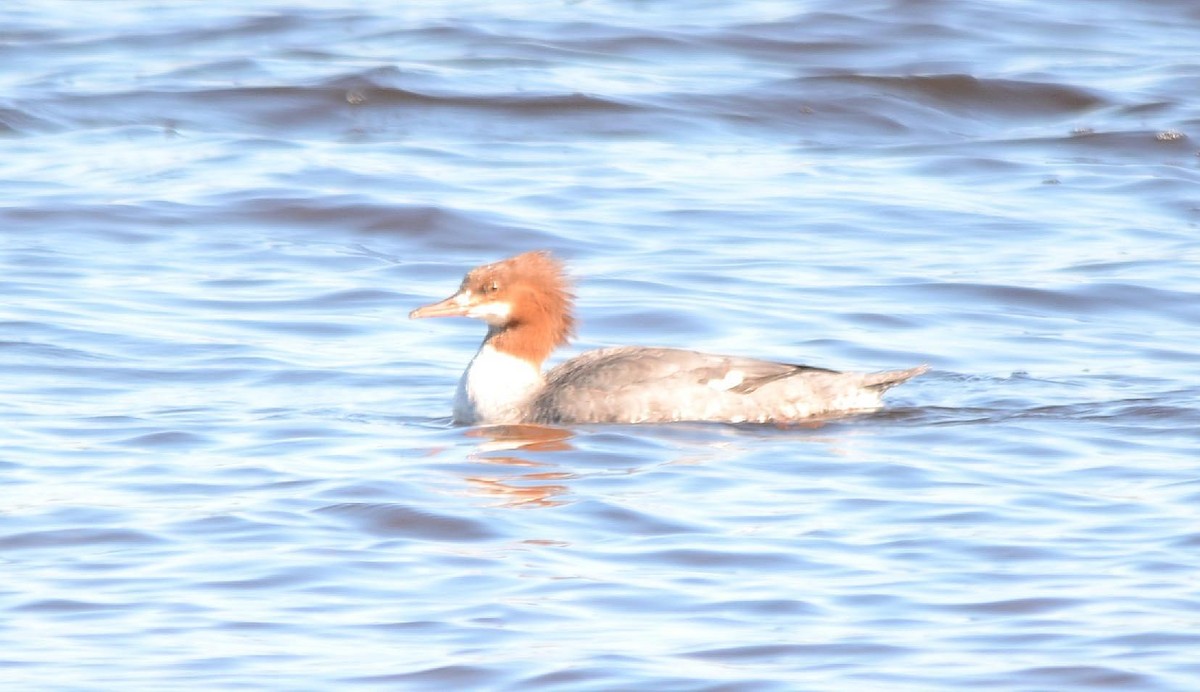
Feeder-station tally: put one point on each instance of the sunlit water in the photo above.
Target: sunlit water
(227, 458)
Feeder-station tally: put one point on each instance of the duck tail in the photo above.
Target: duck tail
(883, 381)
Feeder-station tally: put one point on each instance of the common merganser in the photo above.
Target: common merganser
(527, 303)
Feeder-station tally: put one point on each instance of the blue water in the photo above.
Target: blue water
(227, 459)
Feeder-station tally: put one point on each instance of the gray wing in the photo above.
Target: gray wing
(670, 366)
(604, 384)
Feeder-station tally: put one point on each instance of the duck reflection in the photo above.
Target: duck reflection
(521, 489)
(536, 438)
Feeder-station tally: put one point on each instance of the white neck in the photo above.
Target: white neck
(495, 388)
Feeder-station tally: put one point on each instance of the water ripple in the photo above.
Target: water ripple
(228, 452)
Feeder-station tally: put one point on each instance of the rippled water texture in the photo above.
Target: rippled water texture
(227, 461)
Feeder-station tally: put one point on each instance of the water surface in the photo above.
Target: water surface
(227, 456)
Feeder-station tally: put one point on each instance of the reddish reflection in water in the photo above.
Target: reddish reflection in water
(521, 489)
(536, 438)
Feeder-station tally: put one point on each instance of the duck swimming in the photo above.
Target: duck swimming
(527, 304)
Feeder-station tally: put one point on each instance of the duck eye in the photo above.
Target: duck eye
(492, 287)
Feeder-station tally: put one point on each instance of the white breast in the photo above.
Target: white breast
(496, 388)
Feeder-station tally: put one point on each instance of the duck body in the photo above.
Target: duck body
(658, 385)
(526, 303)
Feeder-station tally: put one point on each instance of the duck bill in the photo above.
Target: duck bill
(454, 306)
